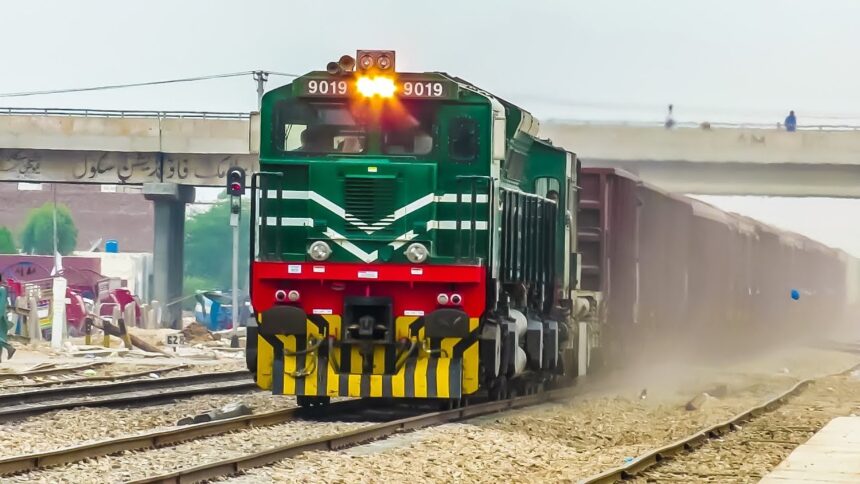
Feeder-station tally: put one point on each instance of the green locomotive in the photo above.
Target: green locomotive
(413, 238)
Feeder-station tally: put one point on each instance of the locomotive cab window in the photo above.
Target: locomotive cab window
(463, 139)
(408, 129)
(548, 187)
(318, 128)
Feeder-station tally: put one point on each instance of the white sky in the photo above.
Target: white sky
(728, 60)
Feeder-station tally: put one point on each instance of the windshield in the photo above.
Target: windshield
(313, 127)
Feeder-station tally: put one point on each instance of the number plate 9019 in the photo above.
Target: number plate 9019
(422, 89)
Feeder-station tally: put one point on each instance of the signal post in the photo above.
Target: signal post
(235, 189)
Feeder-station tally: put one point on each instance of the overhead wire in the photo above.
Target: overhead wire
(139, 84)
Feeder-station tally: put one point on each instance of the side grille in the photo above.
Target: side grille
(368, 201)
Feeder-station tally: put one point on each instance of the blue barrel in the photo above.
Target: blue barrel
(112, 246)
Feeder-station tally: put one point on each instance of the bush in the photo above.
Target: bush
(7, 243)
(38, 234)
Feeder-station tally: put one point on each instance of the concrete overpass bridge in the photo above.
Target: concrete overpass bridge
(169, 153)
(822, 161)
(195, 149)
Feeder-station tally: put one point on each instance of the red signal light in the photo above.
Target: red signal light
(236, 182)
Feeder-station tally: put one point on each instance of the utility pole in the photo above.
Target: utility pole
(56, 244)
(261, 77)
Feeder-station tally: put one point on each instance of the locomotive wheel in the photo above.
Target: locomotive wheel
(311, 401)
(499, 389)
(451, 403)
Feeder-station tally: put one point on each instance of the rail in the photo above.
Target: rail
(161, 438)
(349, 439)
(691, 442)
(32, 402)
(87, 379)
(111, 113)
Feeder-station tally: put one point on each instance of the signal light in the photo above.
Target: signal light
(293, 295)
(456, 299)
(442, 298)
(236, 181)
(280, 295)
(365, 62)
(381, 60)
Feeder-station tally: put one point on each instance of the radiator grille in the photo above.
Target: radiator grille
(368, 201)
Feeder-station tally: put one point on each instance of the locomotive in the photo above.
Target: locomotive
(412, 237)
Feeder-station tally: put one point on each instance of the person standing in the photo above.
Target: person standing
(4, 323)
(670, 118)
(790, 122)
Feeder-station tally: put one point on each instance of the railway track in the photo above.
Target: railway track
(657, 456)
(52, 370)
(349, 410)
(165, 438)
(20, 404)
(87, 379)
(347, 439)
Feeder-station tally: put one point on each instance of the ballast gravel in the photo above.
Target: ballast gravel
(560, 442)
(749, 453)
(65, 428)
(133, 465)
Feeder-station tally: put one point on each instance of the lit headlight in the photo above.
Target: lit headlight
(416, 253)
(319, 250)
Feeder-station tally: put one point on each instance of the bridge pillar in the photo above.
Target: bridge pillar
(169, 201)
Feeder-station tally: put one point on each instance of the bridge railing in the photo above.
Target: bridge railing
(109, 113)
(706, 125)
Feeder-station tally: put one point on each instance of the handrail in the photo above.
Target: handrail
(702, 125)
(112, 113)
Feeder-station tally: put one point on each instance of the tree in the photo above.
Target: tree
(38, 234)
(7, 243)
(209, 247)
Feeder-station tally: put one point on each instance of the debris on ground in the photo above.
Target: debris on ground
(198, 333)
(699, 401)
(231, 410)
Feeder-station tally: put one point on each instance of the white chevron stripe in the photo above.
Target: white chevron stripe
(431, 225)
(401, 241)
(350, 247)
(467, 198)
(389, 219)
(290, 222)
(453, 225)
(355, 250)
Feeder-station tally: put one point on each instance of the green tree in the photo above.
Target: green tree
(7, 243)
(38, 234)
(209, 248)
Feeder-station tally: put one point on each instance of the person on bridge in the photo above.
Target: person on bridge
(670, 119)
(790, 122)
(4, 323)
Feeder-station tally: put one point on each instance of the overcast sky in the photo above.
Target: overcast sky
(727, 60)
(723, 60)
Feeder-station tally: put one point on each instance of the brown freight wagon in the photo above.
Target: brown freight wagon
(682, 278)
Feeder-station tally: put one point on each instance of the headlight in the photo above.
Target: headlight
(416, 253)
(319, 251)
